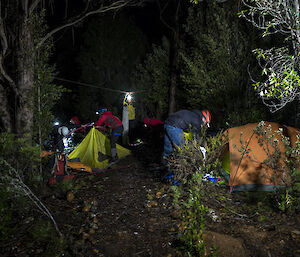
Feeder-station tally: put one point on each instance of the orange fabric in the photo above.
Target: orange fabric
(250, 167)
(45, 153)
(292, 134)
(79, 166)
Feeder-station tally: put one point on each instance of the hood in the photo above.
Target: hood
(108, 113)
(146, 121)
(75, 120)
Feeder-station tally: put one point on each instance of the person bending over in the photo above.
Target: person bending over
(108, 120)
(181, 121)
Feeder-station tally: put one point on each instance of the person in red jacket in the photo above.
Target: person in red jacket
(75, 120)
(154, 130)
(115, 124)
(153, 123)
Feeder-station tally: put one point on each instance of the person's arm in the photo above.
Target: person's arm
(100, 121)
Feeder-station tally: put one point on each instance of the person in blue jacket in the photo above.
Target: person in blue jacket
(181, 121)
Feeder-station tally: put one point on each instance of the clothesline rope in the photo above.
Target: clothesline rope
(90, 85)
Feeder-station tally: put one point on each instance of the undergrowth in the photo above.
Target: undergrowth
(20, 193)
(203, 155)
(189, 165)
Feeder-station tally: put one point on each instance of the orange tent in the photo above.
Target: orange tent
(248, 154)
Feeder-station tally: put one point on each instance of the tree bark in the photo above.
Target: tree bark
(25, 83)
(173, 75)
(20, 51)
(4, 110)
(173, 52)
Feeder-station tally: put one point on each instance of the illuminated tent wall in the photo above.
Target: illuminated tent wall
(94, 151)
(245, 158)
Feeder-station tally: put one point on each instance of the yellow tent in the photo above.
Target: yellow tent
(94, 151)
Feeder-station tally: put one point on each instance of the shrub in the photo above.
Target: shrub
(189, 164)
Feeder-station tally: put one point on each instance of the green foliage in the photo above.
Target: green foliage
(251, 115)
(64, 186)
(207, 77)
(6, 215)
(286, 202)
(213, 68)
(45, 94)
(112, 47)
(14, 203)
(271, 142)
(280, 65)
(192, 214)
(295, 190)
(13, 207)
(44, 235)
(189, 159)
(153, 80)
(20, 153)
(189, 165)
(277, 85)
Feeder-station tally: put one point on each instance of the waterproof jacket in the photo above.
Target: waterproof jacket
(109, 120)
(183, 119)
(153, 122)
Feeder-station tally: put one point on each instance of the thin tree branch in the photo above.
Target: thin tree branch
(161, 17)
(280, 66)
(33, 6)
(25, 7)
(102, 9)
(19, 185)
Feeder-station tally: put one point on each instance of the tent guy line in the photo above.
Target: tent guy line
(89, 85)
(99, 87)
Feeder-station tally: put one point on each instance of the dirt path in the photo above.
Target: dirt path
(120, 212)
(128, 211)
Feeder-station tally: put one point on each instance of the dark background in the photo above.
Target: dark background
(74, 48)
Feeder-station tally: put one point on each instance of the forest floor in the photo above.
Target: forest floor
(128, 211)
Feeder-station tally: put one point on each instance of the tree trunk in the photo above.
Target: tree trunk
(25, 83)
(4, 110)
(174, 62)
(173, 70)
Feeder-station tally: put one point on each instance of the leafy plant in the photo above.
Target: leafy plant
(152, 79)
(21, 153)
(286, 201)
(189, 164)
(193, 215)
(9, 211)
(44, 235)
(200, 153)
(280, 65)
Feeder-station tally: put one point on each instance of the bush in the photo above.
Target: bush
(189, 165)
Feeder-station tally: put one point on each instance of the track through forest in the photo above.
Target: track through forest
(128, 211)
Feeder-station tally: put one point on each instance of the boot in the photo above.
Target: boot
(114, 155)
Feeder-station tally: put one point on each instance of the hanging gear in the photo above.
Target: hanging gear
(63, 131)
(59, 171)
